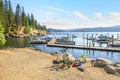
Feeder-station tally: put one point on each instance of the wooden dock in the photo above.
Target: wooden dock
(38, 42)
(85, 47)
(52, 44)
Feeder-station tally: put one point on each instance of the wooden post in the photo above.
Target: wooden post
(87, 39)
(72, 37)
(112, 40)
(92, 41)
(117, 36)
(100, 44)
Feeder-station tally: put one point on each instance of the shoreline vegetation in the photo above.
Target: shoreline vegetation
(17, 23)
(32, 64)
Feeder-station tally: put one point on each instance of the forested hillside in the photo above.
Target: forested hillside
(16, 22)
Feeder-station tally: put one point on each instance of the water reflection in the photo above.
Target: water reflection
(77, 52)
(18, 42)
(25, 42)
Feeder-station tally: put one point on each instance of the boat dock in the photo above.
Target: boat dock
(52, 44)
(85, 47)
(38, 42)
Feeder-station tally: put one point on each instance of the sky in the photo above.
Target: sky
(72, 14)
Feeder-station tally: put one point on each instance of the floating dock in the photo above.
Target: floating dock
(52, 44)
(85, 47)
(38, 42)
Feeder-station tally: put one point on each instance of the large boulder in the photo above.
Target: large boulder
(59, 59)
(118, 70)
(117, 64)
(69, 57)
(110, 69)
(105, 60)
(101, 62)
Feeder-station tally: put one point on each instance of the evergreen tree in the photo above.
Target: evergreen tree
(27, 27)
(18, 21)
(23, 17)
(2, 17)
(32, 20)
(44, 27)
(35, 24)
(6, 15)
(10, 15)
(26, 21)
(29, 19)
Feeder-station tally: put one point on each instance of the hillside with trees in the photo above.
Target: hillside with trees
(18, 22)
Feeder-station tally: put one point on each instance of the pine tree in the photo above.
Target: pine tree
(32, 21)
(6, 15)
(29, 20)
(27, 27)
(23, 17)
(26, 22)
(35, 21)
(2, 17)
(18, 21)
(10, 15)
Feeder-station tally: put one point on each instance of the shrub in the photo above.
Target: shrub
(2, 41)
(27, 30)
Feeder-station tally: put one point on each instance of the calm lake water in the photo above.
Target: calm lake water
(25, 42)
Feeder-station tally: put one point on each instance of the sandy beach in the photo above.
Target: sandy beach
(31, 64)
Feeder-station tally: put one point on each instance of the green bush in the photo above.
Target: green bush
(27, 30)
(2, 41)
(1, 30)
(83, 56)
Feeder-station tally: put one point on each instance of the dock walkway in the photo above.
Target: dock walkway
(52, 44)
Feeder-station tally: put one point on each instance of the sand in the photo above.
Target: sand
(31, 64)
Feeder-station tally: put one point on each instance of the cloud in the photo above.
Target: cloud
(114, 15)
(80, 15)
(55, 9)
(61, 25)
(98, 15)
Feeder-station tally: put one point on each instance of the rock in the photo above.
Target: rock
(59, 58)
(117, 65)
(78, 59)
(90, 59)
(110, 69)
(101, 62)
(105, 60)
(81, 69)
(118, 70)
(69, 57)
(55, 54)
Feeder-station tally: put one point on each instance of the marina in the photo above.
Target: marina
(90, 48)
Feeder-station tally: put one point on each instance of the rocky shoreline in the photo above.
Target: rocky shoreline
(108, 65)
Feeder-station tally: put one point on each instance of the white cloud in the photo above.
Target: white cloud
(55, 9)
(62, 25)
(61, 19)
(114, 15)
(98, 15)
(80, 15)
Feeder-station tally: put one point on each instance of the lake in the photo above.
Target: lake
(25, 42)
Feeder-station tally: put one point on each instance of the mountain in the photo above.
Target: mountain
(97, 29)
